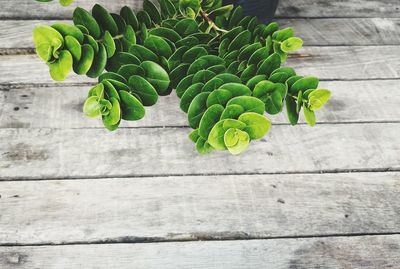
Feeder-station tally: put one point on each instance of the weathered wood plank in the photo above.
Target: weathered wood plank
(61, 107)
(49, 153)
(198, 208)
(354, 62)
(300, 8)
(17, 34)
(365, 252)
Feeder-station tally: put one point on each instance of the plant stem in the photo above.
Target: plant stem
(211, 23)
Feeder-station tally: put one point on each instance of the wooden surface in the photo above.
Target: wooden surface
(73, 195)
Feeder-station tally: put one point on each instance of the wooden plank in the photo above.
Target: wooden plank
(50, 153)
(198, 208)
(61, 107)
(17, 34)
(340, 63)
(28, 9)
(339, 8)
(366, 252)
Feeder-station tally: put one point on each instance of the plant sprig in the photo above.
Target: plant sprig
(225, 67)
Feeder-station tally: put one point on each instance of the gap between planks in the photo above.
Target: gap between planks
(199, 238)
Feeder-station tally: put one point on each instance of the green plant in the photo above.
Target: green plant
(225, 67)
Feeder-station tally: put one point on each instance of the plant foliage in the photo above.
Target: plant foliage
(226, 68)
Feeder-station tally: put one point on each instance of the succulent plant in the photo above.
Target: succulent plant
(226, 68)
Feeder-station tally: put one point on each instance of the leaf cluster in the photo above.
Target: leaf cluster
(226, 68)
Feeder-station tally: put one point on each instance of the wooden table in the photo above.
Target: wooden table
(73, 195)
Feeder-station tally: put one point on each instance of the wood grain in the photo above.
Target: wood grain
(198, 208)
(28, 9)
(327, 63)
(50, 153)
(61, 107)
(366, 252)
(17, 34)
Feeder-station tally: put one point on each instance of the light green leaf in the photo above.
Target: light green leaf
(257, 126)
(92, 107)
(60, 69)
(309, 115)
(318, 98)
(47, 41)
(291, 44)
(236, 141)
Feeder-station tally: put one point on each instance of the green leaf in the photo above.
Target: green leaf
(104, 19)
(232, 112)
(130, 18)
(209, 119)
(291, 44)
(109, 44)
(203, 147)
(270, 64)
(152, 10)
(255, 80)
(158, 45)
(156, 75)
(220, 97)
(73, 46)
(236, 141)
(204, 62)
(84, 18)
(191, 4)
(236, 89)
(115, 113)
(249, 104)
(189, 95)
(91, 108)
(110, 90)
(257, 126)
(47, 40)
(196, 109)
(166, 33)
(60, 69)
(120, 59)
(111, 75)
(143, 53)
(99, 63)
(216, 136)
(212, 84)
(167, 8)
(318, 98)
(309, 115)
(132, 108)
(304, 84)
(193, 54)
(186, 27)
(232, 123)
(83, 65)
(283, 34)
(242, 39)
(144, 89)
(129, 70)
(68, 30)
(203, 76)
(183, 85)
(292, 114)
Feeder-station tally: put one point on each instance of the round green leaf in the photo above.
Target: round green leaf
(197, 108)
(257, 126)
(91, 108)
(156, 75)
(60, 69)
(132, 108)
(144, 89)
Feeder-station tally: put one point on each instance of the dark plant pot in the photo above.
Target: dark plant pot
(263, 9)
